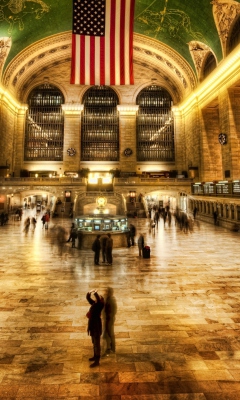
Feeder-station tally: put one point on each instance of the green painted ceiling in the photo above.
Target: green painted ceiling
(173, 22)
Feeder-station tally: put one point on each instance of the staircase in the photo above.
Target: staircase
(136, 209)
(63, 210)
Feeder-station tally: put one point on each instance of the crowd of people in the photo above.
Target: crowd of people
(183, 220)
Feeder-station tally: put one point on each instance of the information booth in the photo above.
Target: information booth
(88, 226)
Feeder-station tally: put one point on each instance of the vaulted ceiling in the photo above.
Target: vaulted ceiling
(166, 26)
(174, 22)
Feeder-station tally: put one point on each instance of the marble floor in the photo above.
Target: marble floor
(177, 327)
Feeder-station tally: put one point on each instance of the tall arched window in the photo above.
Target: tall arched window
(155, 129)
(100, 125)
(44, 125)
(209, 65)
(234, 37)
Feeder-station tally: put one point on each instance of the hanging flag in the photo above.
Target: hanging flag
(102, 42)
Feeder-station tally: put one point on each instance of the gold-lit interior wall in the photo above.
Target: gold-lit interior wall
(201, 111)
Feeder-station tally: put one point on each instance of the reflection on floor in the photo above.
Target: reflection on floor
(177, 328)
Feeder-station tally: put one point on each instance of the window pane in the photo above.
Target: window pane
(44, 125)
(100, 125)
(155, 129)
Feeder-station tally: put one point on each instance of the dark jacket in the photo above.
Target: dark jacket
(96, 246)
(94, 321)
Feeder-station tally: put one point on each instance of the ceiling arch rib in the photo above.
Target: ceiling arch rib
(22, 73)
(165, 61)
(225, 12)
(28, 64)
(199, 51)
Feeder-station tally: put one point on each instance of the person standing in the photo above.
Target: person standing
(110, 310)
(47, 218)
(128, 237)
(103, 243)
(34, 222)
(140, 244)
(70, 234)
(132, 234)
(109, 247)
(74, 237)
(96, 247)
(195, 210)
(94, 328)
(43, 219)
(215, 217)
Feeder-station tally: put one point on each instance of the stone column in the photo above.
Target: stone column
(72, 134)
(235, 212)
(19, 139)
(224, 210)
(127, 137)
(232, 110)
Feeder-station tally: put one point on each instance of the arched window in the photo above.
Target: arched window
(234, 37)
(44, 125)
(100, 125)
(209, 65)
(155, 129)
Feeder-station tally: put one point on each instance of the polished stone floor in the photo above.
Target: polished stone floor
(177, 327)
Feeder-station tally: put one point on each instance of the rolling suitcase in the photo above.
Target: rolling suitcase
(146, 252)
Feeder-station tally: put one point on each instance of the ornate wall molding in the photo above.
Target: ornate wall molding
(224, 12)
(5, 46)
(35, 57)
(199, 51)
(48, 53)
(168, 58)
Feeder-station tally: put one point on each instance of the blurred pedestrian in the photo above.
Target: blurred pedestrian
(96, 247)
(47, 219)
(34, 222)
(195, 210)
(109, 247)
(103, 243)
(70, 234)
(26, 225)
(132, 234)
(109, 315)
(74, 237)
(94, 328)
(215, 217)
(140, 244)
(43, 219)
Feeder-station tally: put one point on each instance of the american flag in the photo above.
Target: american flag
(102, 42)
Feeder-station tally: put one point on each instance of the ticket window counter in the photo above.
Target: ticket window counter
(93, 224)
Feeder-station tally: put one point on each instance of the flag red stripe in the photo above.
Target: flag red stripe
(122, 43)
(112, 41)
(82, 60)
(102, 61)
(72, 80)
(92, 60)
(131, 42)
